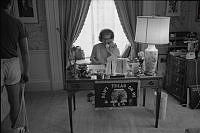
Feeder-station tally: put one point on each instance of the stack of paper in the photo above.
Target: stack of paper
(111, 65)
(122, 66)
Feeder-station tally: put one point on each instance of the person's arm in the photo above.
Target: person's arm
(23, 45)
(113, 50)
(93, 55)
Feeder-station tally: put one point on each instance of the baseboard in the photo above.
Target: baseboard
(57, 85)
(38, 86)
(43, 86)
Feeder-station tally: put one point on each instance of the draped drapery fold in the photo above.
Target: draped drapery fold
(128, 10)
(72, 14)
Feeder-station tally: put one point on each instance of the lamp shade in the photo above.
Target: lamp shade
(152, 30)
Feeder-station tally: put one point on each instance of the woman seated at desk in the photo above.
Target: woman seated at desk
(106, 52)
(105, 49)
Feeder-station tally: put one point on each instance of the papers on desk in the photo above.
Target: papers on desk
(95, 68)
(83, 61)
(122, 66)
(111, 65)
(117, 66)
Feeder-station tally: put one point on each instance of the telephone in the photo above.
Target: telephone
(190, 55)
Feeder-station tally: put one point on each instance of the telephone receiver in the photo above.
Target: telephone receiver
(107, 45)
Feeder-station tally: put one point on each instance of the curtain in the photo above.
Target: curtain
(128, 10)
(72, 14)
(102, 14)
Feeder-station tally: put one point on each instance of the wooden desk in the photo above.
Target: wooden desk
(74, 85)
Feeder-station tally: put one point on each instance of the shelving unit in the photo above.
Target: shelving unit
(181, 74)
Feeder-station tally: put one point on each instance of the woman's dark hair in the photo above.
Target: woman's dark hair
(5, 3)
(106, 31)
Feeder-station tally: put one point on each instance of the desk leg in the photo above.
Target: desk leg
(144, 96)
(158, 96)
(74, 101)
(70, 111)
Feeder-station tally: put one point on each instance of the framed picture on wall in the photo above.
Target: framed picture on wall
(173, 8)
(198, 11)
(26, 10)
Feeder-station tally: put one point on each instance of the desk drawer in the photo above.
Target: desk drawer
(81, 86)
(177, 91)
(149, 83)
(178, 79)
(179, 70)
(180, 62)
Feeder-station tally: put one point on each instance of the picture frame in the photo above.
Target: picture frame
(26, 10)
(198, 12)
(173, 8)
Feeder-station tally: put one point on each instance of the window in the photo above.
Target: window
(102, 14)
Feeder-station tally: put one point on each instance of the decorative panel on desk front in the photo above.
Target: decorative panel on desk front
(116, 94)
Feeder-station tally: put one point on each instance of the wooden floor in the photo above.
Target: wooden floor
(48, 113)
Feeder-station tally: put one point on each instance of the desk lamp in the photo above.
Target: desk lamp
(152, 30)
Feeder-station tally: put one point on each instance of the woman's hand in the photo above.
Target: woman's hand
(112, 49)
(111, 46)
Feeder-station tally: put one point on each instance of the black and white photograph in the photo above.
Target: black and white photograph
(26, 10)
(100, 66)
(173, 8)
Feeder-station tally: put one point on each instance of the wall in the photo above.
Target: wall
(39, 71)
(193, 25)
(177, 23)
(186, 20)
(38, 39)
(40, 74)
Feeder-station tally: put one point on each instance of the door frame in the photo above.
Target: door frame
(52, 15)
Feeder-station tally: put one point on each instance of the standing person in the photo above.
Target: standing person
(105, 49)
(13, 34)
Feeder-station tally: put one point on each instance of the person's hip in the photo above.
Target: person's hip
(10, 71)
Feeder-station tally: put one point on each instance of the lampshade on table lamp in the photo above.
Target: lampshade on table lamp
(152, 30)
